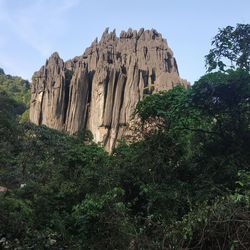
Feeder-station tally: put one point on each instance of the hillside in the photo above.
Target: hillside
(18, 90)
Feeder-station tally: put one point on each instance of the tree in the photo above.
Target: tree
(222, 100)
(231, 45)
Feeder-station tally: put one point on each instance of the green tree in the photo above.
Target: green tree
(2, 71)
(231, 45)
(9, 132)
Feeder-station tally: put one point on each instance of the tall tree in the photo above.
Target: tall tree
(231, 49)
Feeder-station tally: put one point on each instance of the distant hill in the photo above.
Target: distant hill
(18, 90)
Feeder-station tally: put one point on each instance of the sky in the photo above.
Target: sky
(31, 30)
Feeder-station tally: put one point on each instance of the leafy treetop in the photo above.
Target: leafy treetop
(231, 45)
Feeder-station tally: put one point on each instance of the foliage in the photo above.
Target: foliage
(8, 144)
(224, 224)
(14, 103)
(18, 90)
(231, 44)
(16, 87)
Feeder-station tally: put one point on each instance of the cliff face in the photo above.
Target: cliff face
(99, 90)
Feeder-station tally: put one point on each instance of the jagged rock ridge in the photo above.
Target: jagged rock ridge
(99, 90)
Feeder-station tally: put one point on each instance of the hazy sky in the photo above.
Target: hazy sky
(32, 29)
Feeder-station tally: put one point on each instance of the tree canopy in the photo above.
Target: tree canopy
(231, 49)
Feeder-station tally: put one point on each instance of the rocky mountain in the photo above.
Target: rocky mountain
(99, 90)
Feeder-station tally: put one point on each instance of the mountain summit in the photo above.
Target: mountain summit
(99, 90)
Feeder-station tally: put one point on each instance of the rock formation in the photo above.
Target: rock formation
(99, 90)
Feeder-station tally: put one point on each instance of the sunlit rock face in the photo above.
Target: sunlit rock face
(99, 90)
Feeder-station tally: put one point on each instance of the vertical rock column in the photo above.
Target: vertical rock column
(100, 89)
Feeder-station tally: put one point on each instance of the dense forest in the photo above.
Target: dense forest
(181, 180)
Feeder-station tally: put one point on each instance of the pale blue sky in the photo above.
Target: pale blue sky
(32, 29)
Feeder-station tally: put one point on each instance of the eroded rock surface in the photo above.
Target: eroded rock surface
(99, 90)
